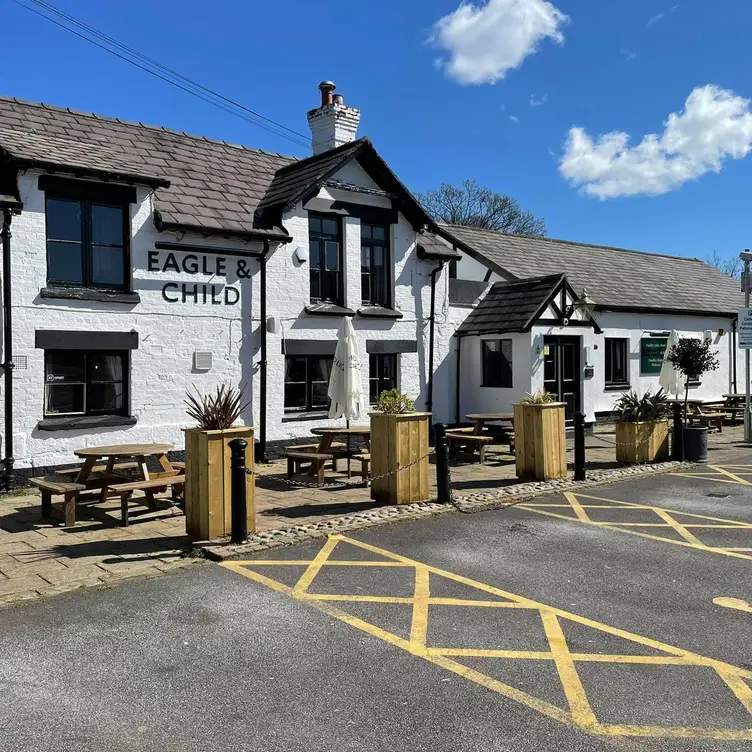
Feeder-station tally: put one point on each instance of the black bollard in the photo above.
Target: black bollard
(678, 446)
(238, 508)
(443, 481)
(579, 446)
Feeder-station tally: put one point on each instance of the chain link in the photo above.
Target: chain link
(337, 484)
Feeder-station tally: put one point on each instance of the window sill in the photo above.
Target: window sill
(616, 388)
(79, 422)
(296, 417)
(379, 312)
(496, 386)
(87, 293)
(328, 309)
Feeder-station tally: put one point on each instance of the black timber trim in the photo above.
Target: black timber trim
(90, 293)
(673, 311)
(93, 172)
(309, 347)
(560, 288)
(164, 245)
(56, 339)
(106, 193)
(260, 234)
(85, 422)
(391, 346)
(375, 215)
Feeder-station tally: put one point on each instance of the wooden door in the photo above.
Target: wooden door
(562, 374)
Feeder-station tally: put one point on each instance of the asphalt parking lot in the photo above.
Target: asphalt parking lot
(608, 620)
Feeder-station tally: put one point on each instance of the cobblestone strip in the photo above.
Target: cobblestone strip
(467, 503)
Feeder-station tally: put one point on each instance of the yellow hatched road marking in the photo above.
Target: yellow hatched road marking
(578, 712)
(576, 502)
(722, 474)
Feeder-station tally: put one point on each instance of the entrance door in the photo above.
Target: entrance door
(562, 375)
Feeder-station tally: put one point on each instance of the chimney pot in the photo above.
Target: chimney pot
(326, 88)
(338, 99)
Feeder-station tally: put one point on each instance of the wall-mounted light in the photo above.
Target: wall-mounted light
(301, 254)
(721, 332)
(707, 335)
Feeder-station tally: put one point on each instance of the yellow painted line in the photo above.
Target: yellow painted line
(578, 510)
(580, 713)
(335, 563)
(735, 603)
(736, 478)
(664, 515)
(360, 598)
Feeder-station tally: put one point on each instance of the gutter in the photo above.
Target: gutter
(431, 337)
(733, 356)
(263, 361)
(8, 460)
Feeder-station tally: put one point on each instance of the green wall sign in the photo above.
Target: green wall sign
(652, 350)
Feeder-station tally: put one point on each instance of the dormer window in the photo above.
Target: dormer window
(374, 265)
(88, 234)
(325, 245)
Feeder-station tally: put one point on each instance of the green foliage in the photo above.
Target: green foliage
(650, 407)
(692, 358)
(218, 411)
(541, 397)
(392, 401)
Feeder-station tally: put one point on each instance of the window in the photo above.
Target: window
(307, 382)
(325, 242)
(497, 362)
(382, 375)
(85, 383)
(374, 264)
(87, 243)
(617, 362)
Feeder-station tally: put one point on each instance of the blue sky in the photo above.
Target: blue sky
(459, 106)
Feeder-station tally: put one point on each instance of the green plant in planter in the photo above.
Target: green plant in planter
(393, 402)
(646, 409)
(692, 358)
(541, 397)
(218, 411)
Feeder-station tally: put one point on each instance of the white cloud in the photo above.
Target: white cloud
(538, 102)
(514, 119)
(714, 125)
(628, 54)
(657, 17)
(485, 41)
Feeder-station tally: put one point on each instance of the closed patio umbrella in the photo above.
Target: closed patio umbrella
(345, 385)
(669, 379)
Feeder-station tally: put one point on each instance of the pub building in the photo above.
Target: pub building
(140, 263)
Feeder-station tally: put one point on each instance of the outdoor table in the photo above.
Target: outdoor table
(121, 452)
(328, 435)
(480, 419)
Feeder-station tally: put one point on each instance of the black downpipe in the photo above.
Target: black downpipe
(457, 384)
(733, 356)
(8, 460)
(432, 324)
(262, 363)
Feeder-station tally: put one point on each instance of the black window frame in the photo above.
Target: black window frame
(377, 362)
(610, 378)
(367, 246)
(86, 204)
(505, 378)
(317, 272)
(309, 406)
(89, 382)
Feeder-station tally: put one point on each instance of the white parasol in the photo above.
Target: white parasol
(345, 385)
(669, 379)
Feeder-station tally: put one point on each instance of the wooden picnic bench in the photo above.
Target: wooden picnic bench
(60, 485)
(364, 458)
(314, 460)
(155, 484)
(471, 441)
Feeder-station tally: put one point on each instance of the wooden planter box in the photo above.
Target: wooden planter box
(396, 441)
(207, 482)
(540, 441)
(642, 442)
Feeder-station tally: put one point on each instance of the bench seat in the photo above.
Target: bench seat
(125, 490)
(316, 460)
(74, 471)
(470, 441)
(60, 485)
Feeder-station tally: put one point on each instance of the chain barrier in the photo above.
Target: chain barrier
(337, 484)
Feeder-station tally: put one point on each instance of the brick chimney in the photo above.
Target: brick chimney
(332, 124)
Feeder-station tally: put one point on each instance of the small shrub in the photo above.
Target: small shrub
(393, 402)
(218, 411)
(650, 407)
(692, 358)
(541, 397)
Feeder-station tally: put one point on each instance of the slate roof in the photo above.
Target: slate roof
(510, 306)
(432, 246)
(614, 277)
(213, 186)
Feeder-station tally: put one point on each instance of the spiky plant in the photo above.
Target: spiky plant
(218, 411)
(650, 407)
(392, 401)
(541, 397)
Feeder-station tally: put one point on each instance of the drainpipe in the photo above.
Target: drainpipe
(457, 383)
(429, 398)
(8, 460)
(733, 355)
(262, 362)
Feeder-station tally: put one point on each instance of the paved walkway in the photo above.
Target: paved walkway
(39, 559)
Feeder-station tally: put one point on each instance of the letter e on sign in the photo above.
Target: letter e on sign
(745, 328)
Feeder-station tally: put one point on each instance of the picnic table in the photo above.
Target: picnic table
(480, 420)
(122, 469)
(475, 438)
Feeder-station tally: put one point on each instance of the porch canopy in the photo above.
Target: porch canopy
(517, 305)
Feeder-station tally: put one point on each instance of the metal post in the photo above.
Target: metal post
(678, 446)
(747, 421)
(8, 460)
(263, 361)
(443, 481)
(579, 446)
(238, 509)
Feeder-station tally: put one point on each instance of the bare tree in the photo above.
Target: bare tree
(470, 204)
(731, 265)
